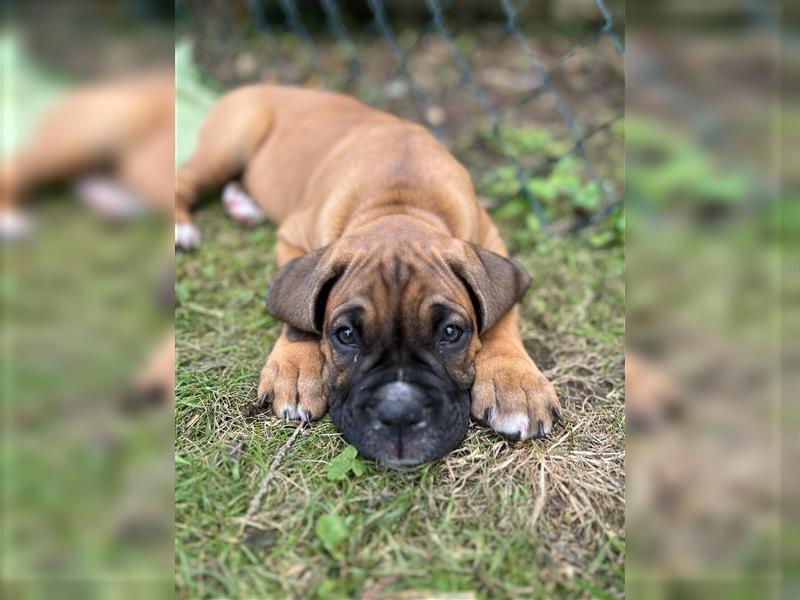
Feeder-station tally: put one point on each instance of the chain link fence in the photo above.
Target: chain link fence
(528, 95)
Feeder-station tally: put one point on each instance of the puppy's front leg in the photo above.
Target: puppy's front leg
(510, 394)
(292, 377)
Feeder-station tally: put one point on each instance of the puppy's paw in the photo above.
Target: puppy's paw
(187, 236)
(14, 226)
(108, 199)
(240, 206)
(512, 397)
(292, 380)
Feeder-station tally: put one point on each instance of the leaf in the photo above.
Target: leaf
(545, 189)
(332, 531)
(338, 468)
(343, 463)
(588, 197)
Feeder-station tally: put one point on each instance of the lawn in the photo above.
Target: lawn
(492, 519)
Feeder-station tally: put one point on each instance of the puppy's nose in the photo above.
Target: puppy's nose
(399, 405)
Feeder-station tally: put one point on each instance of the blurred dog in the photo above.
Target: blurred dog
(115, 141)
(396, 290)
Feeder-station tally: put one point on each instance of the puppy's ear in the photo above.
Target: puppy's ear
(495, 283)
(300, 291)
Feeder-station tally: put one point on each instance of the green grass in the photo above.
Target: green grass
(85, 491)
(466, 523)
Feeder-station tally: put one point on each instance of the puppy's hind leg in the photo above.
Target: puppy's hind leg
(235, 128)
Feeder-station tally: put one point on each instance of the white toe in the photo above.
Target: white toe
(241, 207)
(187, 236)
(290, 412)
(511, 425)
(14, 226)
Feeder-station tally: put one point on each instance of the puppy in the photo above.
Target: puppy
(396, 291)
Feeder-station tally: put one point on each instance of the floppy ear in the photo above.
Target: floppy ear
(300, 290)
(495, 283)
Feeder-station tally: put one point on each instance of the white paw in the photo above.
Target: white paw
(513, 397)
(241, 207)
(510, 424)
(518, 426)
(187, 236)
(14, 226)
(108, 198)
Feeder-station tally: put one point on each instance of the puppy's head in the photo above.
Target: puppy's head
(398, 318)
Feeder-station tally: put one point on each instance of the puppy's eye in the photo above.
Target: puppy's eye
(346, 336)
(451, 334)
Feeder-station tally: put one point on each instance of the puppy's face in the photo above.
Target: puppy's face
(399, 351)
(399, 327)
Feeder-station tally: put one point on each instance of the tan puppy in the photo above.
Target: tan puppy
(394, 285)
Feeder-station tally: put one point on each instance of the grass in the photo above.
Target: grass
(492, 519)
(85, 494)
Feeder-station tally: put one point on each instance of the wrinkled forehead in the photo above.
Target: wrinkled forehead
(384, 291)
